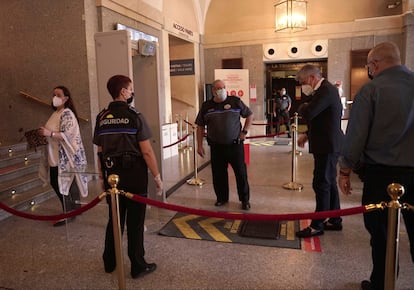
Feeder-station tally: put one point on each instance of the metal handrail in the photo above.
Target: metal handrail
(40, 101)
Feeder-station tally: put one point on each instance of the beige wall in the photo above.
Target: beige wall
(249, 15)
(42, 46)
(339, 61)
(252, 60)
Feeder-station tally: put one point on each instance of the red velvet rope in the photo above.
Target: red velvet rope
(252, 216)
(51, 217)
(180, 140)
(201, 212)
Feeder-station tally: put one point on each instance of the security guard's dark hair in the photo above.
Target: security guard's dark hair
(69, 103)
(116, 83)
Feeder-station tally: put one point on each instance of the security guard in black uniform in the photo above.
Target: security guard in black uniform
(122, 136)
(225, 135)
(281, 110)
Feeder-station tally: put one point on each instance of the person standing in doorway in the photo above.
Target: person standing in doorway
(281, 108)
(225, 135)
(378, 145)
(124, 148)
(323, 117)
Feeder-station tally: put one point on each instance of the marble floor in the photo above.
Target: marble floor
(36, 255)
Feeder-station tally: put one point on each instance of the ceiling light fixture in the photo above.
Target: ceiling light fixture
(290, 15)
(393, 5)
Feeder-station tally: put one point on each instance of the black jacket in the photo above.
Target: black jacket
(323, 114)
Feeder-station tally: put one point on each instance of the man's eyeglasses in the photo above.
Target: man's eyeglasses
(372, 62)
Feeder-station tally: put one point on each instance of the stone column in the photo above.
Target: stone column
(408, 40)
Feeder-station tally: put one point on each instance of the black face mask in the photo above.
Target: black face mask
(370, 76)
(129, 101)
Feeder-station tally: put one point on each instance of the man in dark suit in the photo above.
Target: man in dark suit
(322, 113)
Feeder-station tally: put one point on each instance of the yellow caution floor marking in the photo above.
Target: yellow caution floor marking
(214, 232)
(262, 143)
(224, 230)
(185, 228)
(290, 235)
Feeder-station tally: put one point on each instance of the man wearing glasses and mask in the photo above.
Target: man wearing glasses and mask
(378, 145)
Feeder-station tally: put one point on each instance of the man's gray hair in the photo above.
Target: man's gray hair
(306, 71)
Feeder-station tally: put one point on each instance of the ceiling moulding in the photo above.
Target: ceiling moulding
(360, 27)
(149, 15)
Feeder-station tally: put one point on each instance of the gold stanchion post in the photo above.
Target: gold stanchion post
(181, 147)
(296, 121)
(187, 145)
(195, 180)
(293, 185)
(113, 181)
(395, 191)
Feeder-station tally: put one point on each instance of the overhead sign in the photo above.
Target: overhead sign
(181, 67)
(181, 30)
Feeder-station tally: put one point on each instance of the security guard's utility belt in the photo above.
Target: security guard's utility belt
(123, 160)
(234, 141)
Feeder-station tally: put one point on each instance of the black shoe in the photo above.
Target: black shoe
(308, 232)
(332, 227)
(109, 269)
(149, 268)
(366, 285)
(245, 205)
(220, 203)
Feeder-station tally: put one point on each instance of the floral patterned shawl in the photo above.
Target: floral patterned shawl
(72, 159)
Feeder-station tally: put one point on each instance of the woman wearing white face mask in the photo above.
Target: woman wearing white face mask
(65, 151)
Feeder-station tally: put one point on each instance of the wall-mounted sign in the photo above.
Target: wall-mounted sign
(182, 31)
(236, 81)
(181, 67)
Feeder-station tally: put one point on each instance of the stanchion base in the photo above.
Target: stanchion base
(298, 152)
(195, 181)
(185, 149)
(283, 141)
(293, 186)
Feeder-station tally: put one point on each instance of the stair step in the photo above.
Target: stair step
(20, 184)
(5, 150)
(24, 201)
(18, 170)
(27, 195)
(18, 157)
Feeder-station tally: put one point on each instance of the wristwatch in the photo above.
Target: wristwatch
(244, 132)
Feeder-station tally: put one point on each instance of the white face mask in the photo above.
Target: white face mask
(307, 90)
(221, 94)
(57, 102)
(283, 93)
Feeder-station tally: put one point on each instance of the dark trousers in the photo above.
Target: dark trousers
(221, 157)
(133, 180)
(134, 214)
(325, 186)
(376, 180)
(69, 202)
(283, 118)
